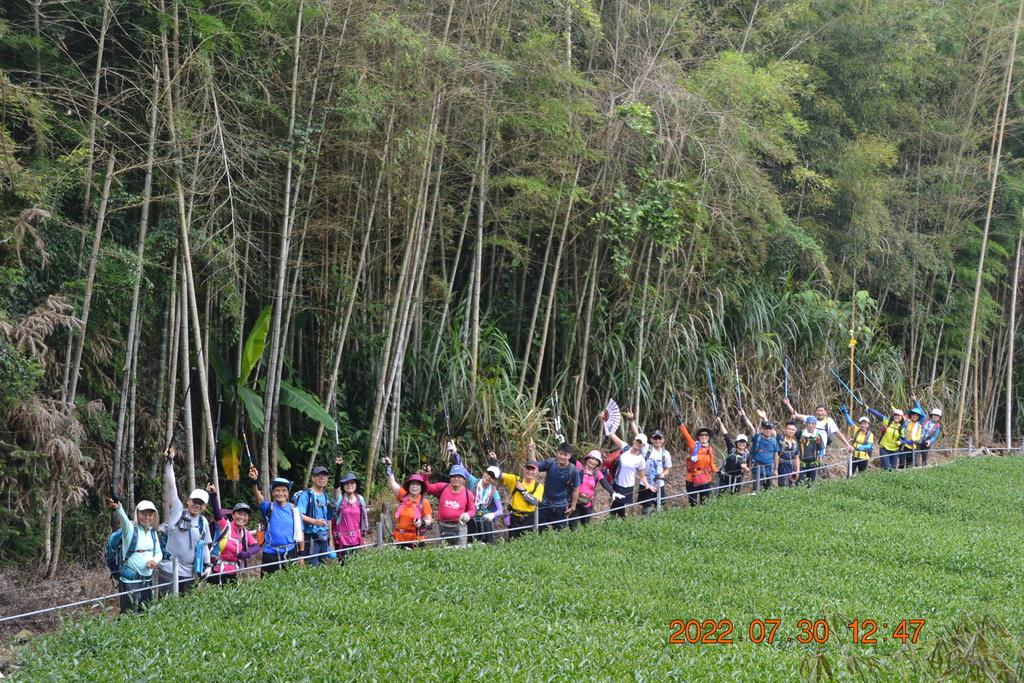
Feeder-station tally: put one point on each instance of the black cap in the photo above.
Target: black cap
(657, 434)
(768, 425)
(320, 470)
(532, 463)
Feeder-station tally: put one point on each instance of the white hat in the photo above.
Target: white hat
(145, 505)
(936, 411)
(200, 494)
(494, 471)
(742, 437)
(863, 418)
(642, 438)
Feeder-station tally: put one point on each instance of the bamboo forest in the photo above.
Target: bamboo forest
(279, 231)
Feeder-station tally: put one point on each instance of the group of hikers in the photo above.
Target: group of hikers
(316, 525)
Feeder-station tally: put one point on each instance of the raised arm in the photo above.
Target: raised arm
(746, 421)
(395, 486)
(254, 479)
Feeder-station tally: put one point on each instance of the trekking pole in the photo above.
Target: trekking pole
(556, 406)
(216, 442)
(847, 388)
(174, 432)
(711, 383)
(785, 387)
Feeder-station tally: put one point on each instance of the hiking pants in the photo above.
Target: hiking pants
(923, 452)
(809, 471)
(697, 495)
(786, 468)
(580, 516)
(859, 466)
(619, 506)
(888, 458)
(140, 594)
(906, 459)
(316, 549)
(275, 562)
(729, 483)
(762, 475)
(479, 525)
(519, 524)
(552, 517)
(453, 533)
(648, 499)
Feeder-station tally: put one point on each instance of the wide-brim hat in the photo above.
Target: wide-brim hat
(703, 430)
(416, 478)
(351, 476)
(243, 507)
(458, 471)
(595, 455)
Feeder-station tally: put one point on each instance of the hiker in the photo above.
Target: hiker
(350, 521)
(139, 554)
(455, 502)
(657, 466)
(700, 464)
(625, 467)
(233, 543)
(590, 477)
(487, 501)
(863, 442)
(890, 442)
(811, 450)
(787, 460)
(826, 426)
(765, 447)
(283, 539)
(185, 533)
(911, 435)
(524, 494)
(930, 434)
(730, 477)
(316, 509)
(413, 517)
(561, 487)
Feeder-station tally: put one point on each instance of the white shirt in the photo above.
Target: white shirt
(629, 463)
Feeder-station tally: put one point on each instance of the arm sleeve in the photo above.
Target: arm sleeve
(877, 415)
(606, 485)
(171, 492)
(688, 438)
(218, 514)
(251, 549)
(849, 421)
(126, 529)
(496, 506)
(533, 498)
(729, 445)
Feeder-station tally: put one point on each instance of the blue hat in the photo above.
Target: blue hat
(458, 470)
(810, 419)
(351, 476)
(919, 413)
(280, 481)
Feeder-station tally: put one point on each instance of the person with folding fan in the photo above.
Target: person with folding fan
(627, 463)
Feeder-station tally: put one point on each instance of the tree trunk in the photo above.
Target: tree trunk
(1011, 333)
(76, 359)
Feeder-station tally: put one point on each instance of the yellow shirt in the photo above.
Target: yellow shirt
(518, 502)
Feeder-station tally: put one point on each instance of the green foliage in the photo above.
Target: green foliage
(305, 403)
(834, 553)
(254, 345)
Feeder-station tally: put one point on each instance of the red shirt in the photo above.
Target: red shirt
(451, 505)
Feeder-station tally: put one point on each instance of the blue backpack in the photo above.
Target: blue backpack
(114, 559)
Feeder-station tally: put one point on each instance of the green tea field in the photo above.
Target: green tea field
(935, 554)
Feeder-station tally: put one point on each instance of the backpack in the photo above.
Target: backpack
(167, 527)
(611, 465)
(113, 557)
(311, 504)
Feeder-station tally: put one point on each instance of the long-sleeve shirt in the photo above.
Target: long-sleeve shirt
(234, 544)
(893, 431)
(147, 547)
(185, 533)
(930, 431)
(705, 456)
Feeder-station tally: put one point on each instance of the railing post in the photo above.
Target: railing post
(658, 505)
(536, 519)
(379, 541)
(849, 465)
(174, 575)
(970, 445)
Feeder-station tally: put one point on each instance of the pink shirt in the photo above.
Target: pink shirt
(588, 484)
(451, 505)
(347, 532)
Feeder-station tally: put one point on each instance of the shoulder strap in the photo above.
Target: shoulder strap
(134, 543)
